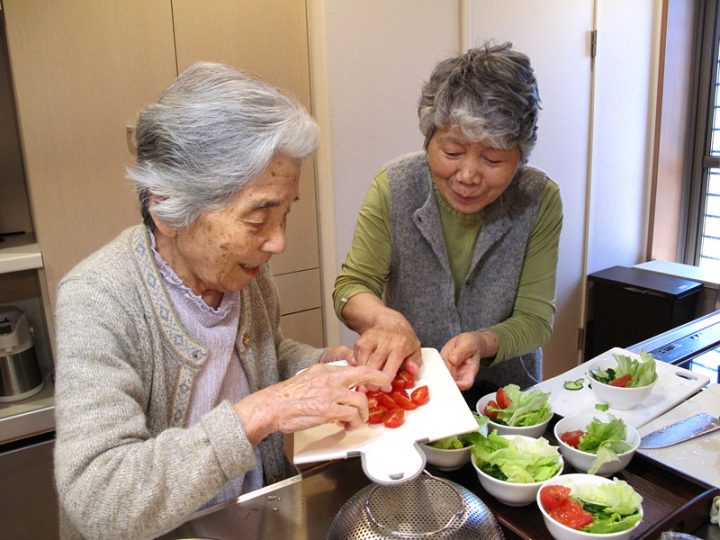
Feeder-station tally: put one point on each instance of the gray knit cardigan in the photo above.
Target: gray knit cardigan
(126, 463)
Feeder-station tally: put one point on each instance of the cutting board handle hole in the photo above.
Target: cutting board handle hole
(688, 376)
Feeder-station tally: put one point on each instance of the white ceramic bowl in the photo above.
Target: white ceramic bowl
(446, 460)
(615, 396)
(511, 493)
(582, 461)
(528, 431)
(560, 531)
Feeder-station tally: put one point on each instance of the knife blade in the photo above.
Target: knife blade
(684, 430)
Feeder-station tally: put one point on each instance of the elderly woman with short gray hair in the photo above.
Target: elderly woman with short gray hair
(456, 246)
(174, 383)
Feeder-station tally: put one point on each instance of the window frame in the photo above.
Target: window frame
(706, 84)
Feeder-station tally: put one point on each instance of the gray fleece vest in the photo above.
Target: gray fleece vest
(421, 284)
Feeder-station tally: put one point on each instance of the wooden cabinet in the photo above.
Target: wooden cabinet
(269, 38)
(82, 69)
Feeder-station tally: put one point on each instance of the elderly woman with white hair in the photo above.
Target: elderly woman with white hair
(174, 383)
(456, 246)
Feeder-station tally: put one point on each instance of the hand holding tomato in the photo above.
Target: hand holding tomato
(320, 394)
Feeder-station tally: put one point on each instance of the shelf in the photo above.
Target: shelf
(28, 417)
(18, 253)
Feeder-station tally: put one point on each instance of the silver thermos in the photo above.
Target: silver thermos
(20, 375)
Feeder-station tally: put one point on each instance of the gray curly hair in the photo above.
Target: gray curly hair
(213, 131)
(490, 93)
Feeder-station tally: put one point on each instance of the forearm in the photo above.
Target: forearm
(520, 335)
(365, 311)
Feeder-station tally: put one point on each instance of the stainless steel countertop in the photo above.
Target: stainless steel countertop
(299, 508)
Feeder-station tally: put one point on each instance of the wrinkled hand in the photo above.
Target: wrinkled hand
(317, 395)
(462, 356)
(388, 350)
(342, 352)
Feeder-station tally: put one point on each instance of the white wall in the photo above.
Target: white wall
(626, 78)
(562, 66)
(376, 56)
(369, 58)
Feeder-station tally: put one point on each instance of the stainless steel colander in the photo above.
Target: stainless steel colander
(426, 507)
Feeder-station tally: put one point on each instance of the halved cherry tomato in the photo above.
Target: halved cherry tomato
(552, 497)
(503, 400)
(622, 382)
(372, 401)
(420, 395)
(377, 414)
(402, 392)
(488, 412)
(386, 401)
(398, 382)
(572, 514)
(572, 438)
(407, 377)
(403, 401)
(394, 418)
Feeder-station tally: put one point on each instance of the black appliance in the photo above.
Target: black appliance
(628, 305)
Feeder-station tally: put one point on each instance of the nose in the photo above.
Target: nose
(470, 172)
(276, 242)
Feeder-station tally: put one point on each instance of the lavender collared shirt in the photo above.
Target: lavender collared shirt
(222, 376)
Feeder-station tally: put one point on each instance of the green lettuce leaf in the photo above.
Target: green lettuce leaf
(516, 460)
(642, 372)
(605, 439)
(525, 409)
(617, 497)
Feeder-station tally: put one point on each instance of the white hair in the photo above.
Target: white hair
(213, 131)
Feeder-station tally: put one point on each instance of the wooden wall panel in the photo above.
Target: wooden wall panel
(82, 70)
(268, 38)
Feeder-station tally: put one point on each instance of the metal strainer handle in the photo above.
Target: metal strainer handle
(459, 504)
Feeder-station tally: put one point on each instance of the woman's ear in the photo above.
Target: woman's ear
(160, 226)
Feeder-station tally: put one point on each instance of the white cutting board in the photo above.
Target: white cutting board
(674, 385)
(698, 457)
(394, 455)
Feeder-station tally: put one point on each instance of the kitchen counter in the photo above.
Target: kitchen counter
(303, 507)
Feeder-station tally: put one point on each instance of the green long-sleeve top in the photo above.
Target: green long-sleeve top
(367, 265)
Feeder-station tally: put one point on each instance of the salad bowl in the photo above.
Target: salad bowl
(527, 413)
(446, 459)
(603, 381)
(607, 446)
(622, 506)
(541, 460)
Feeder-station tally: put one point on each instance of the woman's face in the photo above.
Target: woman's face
(470, 175)
(223, 249)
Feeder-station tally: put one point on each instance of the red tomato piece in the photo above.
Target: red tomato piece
(401, 391)
(503, 400)
(397, 383)
(552, 497)
(572, 514)
(372, 402)
(488, 412)
(386, 401)
(377, 414)
(420, 395)
(572, 438)
(394, 418)
(403, 401)
(407, 377)
(622, 382)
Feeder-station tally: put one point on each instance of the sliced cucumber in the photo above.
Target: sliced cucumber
(577, 384)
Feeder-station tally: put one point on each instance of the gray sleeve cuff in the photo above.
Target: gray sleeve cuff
(229, 441)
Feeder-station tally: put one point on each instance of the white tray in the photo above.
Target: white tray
(674, 385)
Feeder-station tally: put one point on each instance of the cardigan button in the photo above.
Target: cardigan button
(246, 340)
